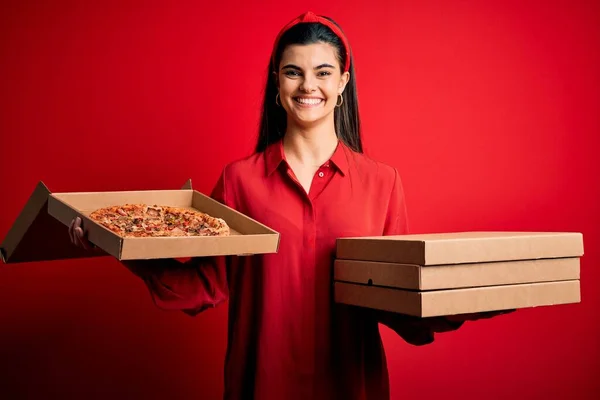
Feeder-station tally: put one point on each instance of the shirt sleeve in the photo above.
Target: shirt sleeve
(416, 331)
(191, 286)
(396, 221)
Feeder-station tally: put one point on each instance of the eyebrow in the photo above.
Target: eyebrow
(292, 66)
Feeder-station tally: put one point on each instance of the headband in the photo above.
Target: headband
(311, 17)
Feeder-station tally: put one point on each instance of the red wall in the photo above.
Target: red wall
(489, 109)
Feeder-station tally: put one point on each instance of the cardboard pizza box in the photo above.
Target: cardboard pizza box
(435, 303)
(454, 273)
(453, 276)
(461, 247)
(40, 232)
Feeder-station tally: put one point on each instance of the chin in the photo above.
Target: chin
(310, 116)
(309, 119)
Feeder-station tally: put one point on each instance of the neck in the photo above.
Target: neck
(310, 146)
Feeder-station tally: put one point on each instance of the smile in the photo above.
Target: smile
(308, 102)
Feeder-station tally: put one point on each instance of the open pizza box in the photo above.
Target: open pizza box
(455, 273)
(40, 232)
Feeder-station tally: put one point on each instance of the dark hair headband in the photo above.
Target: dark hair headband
(311, 17)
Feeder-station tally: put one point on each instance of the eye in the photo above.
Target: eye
(291, 72)
(324, 73)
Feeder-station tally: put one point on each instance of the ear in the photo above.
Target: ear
(344, 78)
(276, 78)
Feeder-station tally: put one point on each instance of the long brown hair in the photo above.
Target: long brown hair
(274, 119)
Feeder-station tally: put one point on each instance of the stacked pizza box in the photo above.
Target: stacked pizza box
(455, 273)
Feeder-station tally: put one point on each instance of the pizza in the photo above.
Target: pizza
(141, 220)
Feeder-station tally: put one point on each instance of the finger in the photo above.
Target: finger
(77, 237)
(71, 232)
(83, 240)
(80, 235)
(76, 225)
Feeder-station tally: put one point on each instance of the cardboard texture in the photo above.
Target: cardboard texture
(247, 236)
(462, 247)
(40, 232)
(415, 277)
(455, 273)
(458, 301)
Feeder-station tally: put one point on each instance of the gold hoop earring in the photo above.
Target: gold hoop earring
(341, 102)
(276, 98)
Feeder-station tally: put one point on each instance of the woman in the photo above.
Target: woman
(308, 180)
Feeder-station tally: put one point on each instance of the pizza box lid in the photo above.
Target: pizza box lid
(37, 236)
(248, 236)
(461, 247)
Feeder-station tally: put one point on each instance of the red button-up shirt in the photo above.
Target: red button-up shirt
(287, 339)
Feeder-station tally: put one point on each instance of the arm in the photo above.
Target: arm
(416, 331)
(190, 286)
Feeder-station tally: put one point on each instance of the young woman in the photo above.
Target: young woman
(308, 180)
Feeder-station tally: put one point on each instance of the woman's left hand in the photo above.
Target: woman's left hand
(476, 316)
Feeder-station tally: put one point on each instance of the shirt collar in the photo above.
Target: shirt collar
(274, 156)
(340, 158)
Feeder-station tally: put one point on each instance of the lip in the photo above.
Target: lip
(303, 105)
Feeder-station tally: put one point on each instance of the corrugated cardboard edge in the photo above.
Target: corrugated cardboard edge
(357, 248)
(26, 217)
(438, 252)
(504, 297)
(459, 301)
(419, 250)
(378, 298)
(454, 276)
(374, 273)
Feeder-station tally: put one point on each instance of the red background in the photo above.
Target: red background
(489, 109)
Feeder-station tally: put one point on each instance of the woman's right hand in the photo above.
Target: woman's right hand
(78, 236)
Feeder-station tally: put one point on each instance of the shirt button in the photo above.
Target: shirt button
(321, 174)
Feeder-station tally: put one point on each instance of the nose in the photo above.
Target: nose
(309, 84)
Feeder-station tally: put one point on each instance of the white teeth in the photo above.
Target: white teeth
(308, 101)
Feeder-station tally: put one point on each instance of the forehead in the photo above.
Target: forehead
(310, 54)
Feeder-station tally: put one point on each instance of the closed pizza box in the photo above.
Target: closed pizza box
(461, 247)
(40, 232)
(446, 302)
(453, 273)
(453, 276)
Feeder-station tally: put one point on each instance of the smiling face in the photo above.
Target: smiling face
(309, 82)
